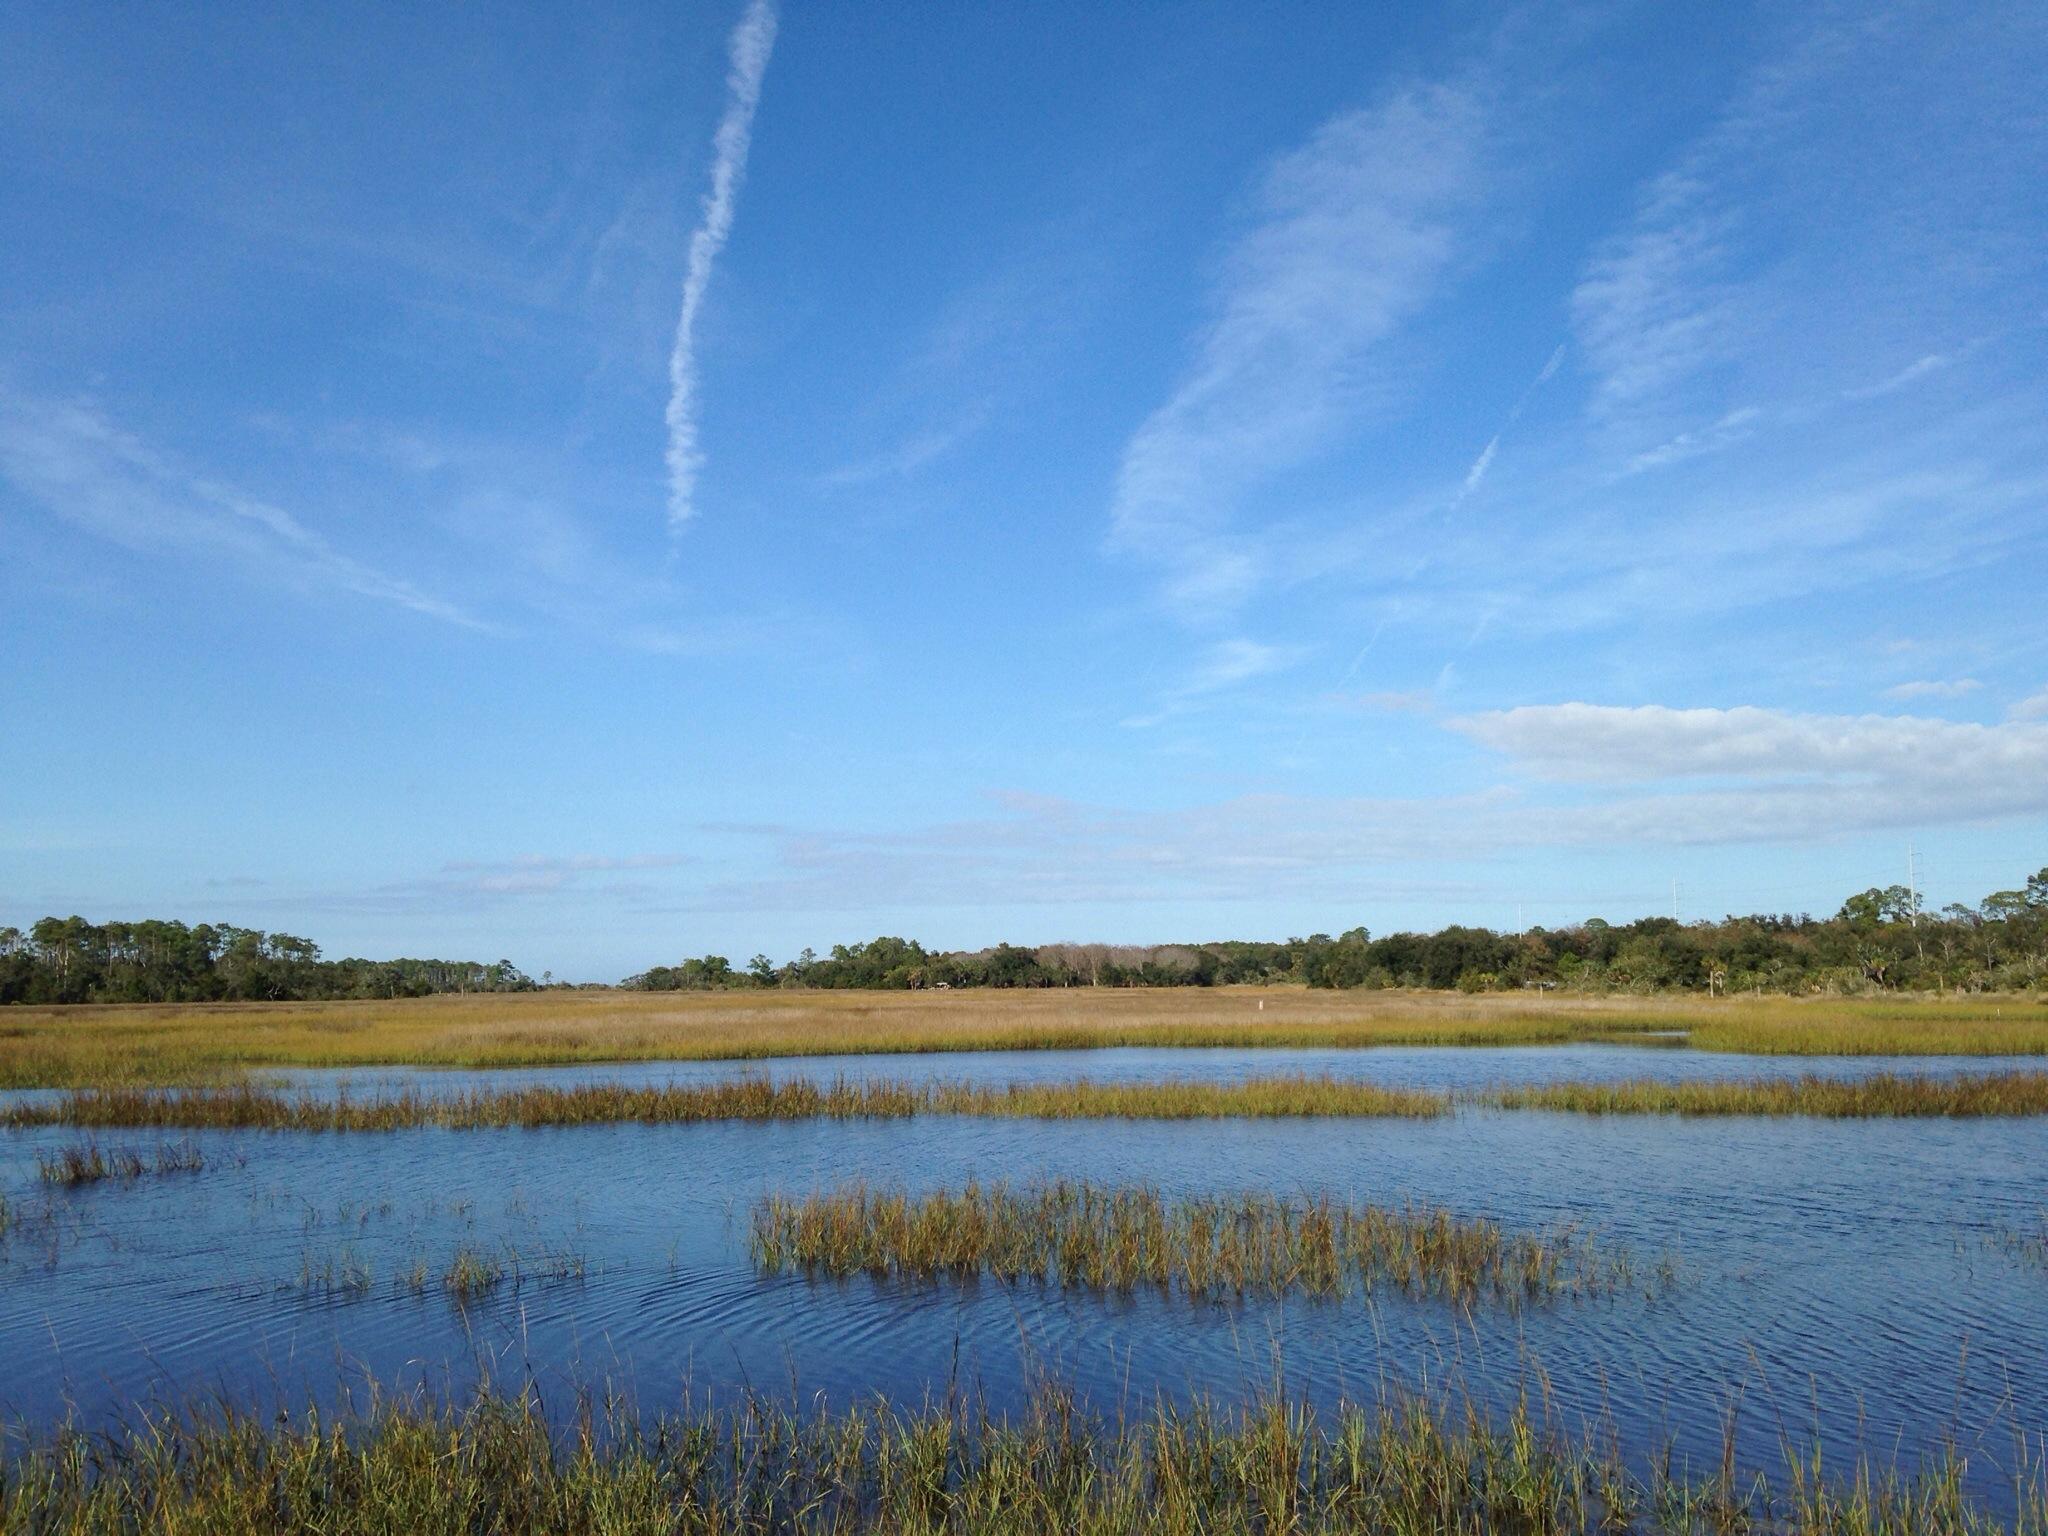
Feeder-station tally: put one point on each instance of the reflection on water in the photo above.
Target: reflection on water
(1840, 1277)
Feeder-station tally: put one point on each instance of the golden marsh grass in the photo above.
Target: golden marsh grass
(245, 1107)
(1122, 1239)
(145, 1043)
(1883, 1094)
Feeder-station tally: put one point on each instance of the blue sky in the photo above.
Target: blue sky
(599, 487)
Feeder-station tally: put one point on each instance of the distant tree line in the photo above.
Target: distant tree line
(1881, 940)
(69, 960)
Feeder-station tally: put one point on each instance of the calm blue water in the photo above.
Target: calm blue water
(1844, 1279)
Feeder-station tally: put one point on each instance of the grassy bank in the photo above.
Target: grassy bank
(95, 1045)
(1882, 1094)
(495, 1465)
(1122, 1239)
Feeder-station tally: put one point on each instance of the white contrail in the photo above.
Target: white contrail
(1484, 462)
(752, 41)
(1479, 467)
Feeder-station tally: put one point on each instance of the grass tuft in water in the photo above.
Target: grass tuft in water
(472, 1273)
(345, 1274)
(2029, 1248)
(1128, 1238)
(91, 1163)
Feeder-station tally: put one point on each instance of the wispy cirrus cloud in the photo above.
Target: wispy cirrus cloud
(1748, 272)
(1980, 768)
(541, 874)
(753, 40)
(1600, 777)
(1912, 373)
(1732, 428)
(1355, 230)
(538, 880)
(1933, 688)
(1221, 666)
(73, 459)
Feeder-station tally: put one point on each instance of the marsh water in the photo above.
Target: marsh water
(1879, 1285)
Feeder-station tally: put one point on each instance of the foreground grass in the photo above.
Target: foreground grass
(1882, 1094)
(1123, 1239)
(248, 1108)
(495, 1465)
(148, 1044)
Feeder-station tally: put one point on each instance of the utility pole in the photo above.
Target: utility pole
(1674, 903)
(1912, 884)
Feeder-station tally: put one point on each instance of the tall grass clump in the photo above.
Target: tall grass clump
(1274, 1468)
(1881, 1094)
(1128, 1238)
(472, 1273)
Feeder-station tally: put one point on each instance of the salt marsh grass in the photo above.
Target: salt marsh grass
(1125, 1239)
(244, 1107)
(164, 1043)
(1882, 1094)
(1257, 1098)
(497, 1463)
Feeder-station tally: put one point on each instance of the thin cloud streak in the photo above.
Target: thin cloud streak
(1484, 462)
(752, 42)
(1606, 744)
(91, 472)
(1480, 465)
(1933, 688)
